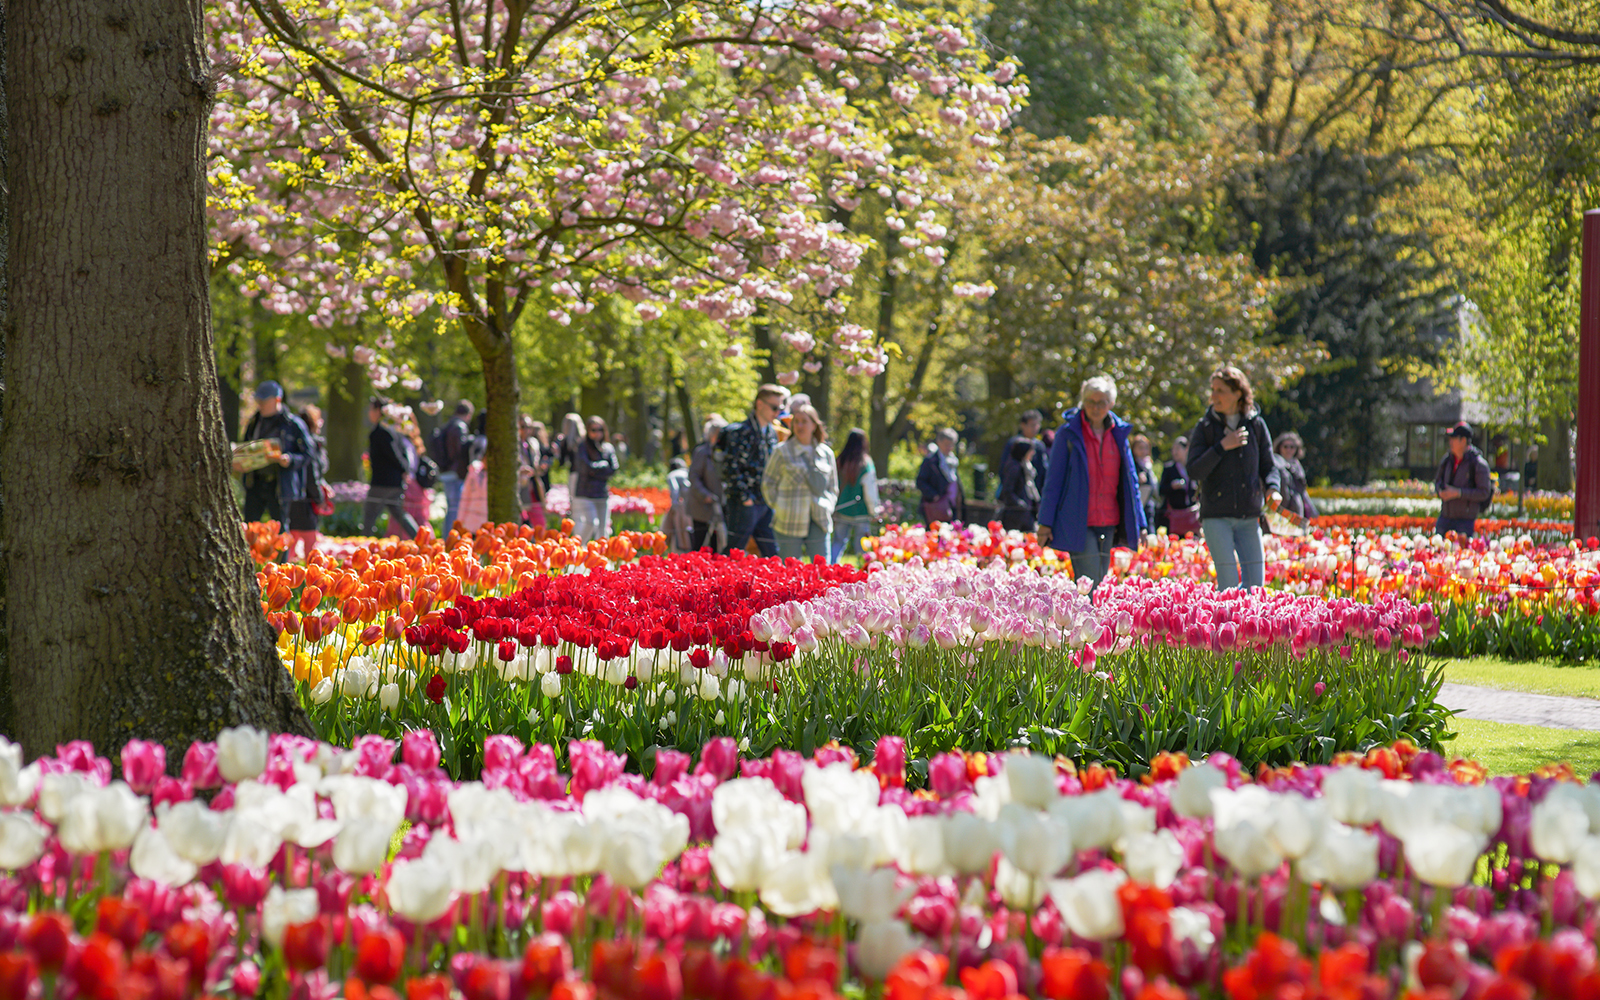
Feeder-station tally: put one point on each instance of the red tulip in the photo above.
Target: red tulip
(381, 955)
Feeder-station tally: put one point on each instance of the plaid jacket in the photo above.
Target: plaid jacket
(744, 448)
(802, 487)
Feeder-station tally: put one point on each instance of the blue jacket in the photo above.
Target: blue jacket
(1064, 505)
(305, 466)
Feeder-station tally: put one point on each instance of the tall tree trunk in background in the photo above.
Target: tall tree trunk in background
(1555, 458)
(264, 351)
(133, 608)
(686, 407)
(344, 425)
(6, 710)
(878, 402)
(761, 336)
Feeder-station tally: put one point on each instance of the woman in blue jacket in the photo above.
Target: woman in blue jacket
(1091, 496)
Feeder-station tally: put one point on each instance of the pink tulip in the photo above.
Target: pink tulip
(419, 748)
(143, 764)
(244, 887)
(200, 766)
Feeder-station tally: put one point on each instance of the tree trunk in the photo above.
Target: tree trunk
(878, 401)
(690, 429)
(502, 402)
(344, 425)
(761, 336)
(134, 612)
(230, 385)
(6, 709)
(1555, 458)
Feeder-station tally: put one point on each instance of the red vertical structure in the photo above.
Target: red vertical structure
(1587, 510)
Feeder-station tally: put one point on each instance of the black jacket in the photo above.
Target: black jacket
(1173, 491)
(932, 483)
(387, 457)
(1231, 483)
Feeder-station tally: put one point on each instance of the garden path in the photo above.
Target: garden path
(1521, 708)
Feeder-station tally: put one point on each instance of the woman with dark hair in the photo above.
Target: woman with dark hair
(1176, 510)
(858, 495)
(1019, 492)
(387, 457)
(594, 465)
(302, 517)
(1232, 467)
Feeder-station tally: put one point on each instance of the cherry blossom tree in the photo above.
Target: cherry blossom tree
(686, 155)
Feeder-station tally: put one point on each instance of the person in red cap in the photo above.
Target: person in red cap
(1463, 484)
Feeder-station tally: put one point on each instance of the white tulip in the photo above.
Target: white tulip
(56, 790)
(881, 944)
(1191, 793)
(420, 890)
(799, 884)
(1017, 888)
(1443, 854)
(1297, 823)
(550, 685)
(1036, 843)
(1585, 867)
(1243, 829)
(241, 753)
(970, 843)
(1031, 779)
(282, 910)
(323, 692)
(924, 854)
(1353, 795)
(1096, 819)
(17, 782)
(838, 798)
(742, 856)
(1192, 926)
(869, 895)
(633, 853)
(744, 802)
(193, 830)
(1152, 858)
(370, 811)
(1559, 826)
(389, 697)
(1344, 857)
(990, 794)
(102, 819)
(22, 839)
(1089, 903)
(153, 858)
(710, 688)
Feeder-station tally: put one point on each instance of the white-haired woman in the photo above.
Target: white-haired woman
(1090, 500)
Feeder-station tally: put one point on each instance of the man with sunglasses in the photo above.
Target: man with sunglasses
(743, 449)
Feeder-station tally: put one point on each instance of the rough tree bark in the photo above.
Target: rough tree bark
(133, 609)
(5, 240)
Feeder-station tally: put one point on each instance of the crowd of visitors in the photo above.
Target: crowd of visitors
(772, 480)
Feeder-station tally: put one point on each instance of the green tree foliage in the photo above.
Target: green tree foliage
(1084, 59)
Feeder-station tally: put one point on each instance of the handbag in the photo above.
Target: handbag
(324, 506)
(938, 510)
(1183, 521)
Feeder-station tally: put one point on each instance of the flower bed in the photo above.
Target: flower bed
(671, 651)
(787, 876)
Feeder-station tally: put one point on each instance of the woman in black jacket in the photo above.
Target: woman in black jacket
(1230, 461)
(390, 466)
(1175, 492)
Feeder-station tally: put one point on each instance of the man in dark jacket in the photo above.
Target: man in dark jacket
(270, 490)
(388, 459)
(744, 448)
(1463, 484)
(456, 459)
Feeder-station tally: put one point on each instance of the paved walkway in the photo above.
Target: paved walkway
(1494, 705)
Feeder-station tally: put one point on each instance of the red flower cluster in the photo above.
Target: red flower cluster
(679, 602)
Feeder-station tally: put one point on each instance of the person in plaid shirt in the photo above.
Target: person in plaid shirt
(802, 484)
(744, 448)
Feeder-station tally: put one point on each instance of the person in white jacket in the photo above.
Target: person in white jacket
(856, 513)
(801, 483)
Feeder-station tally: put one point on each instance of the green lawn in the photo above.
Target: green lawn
(1547, 677)
(1509, 749)
(1513, 749)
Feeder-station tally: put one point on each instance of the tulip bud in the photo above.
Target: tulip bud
(393, 626)
(291, 623)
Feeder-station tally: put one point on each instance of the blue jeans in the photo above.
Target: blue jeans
(813, 543)
(451, 484)
(847, 533)
(1235, 545)
(754, 521)
(1463, 526)
(1095, 560)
